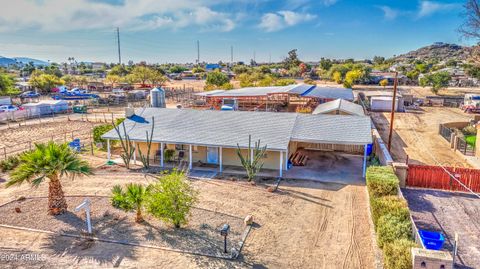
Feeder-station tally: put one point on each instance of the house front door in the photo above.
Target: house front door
(212, 155)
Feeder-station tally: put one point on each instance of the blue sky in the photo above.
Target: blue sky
(167, 30)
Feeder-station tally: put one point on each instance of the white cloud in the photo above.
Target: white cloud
(272, 22)
(329, 2)
(389, 13)
(428, 8)
(61, 15)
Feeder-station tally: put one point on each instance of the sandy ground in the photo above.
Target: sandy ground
(425, 142)
(449, 213)
(304, 225)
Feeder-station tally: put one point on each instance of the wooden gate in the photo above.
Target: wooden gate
(435, 177)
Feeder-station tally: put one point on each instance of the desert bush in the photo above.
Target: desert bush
(9, 164)
(100, 130)
(392, 227)
(381, 181)
(168, 155)
(132, 198)
(393, 205)
(398, 255)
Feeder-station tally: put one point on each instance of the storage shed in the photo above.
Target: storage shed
(37, 109)
(339, 107)
(384, 103)
(56, 106)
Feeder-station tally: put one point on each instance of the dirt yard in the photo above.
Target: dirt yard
(449, 213)
(303, 225)
(416, 135)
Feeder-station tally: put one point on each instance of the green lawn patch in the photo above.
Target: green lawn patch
(471, 140)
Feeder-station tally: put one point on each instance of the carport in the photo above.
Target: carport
(331, 151)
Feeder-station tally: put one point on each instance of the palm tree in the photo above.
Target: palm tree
(49, 161)
(133, 198)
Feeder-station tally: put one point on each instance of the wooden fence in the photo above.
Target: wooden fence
(435, 177)
(445, 132)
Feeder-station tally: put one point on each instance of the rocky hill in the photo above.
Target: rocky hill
(439, 51)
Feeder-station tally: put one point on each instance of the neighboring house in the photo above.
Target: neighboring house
(211, 137)
(277, 98)
(212, 67)
(339, 107)
(97, 66)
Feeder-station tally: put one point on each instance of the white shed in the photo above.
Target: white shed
(37, 109)
(382, 103)
(57, 106)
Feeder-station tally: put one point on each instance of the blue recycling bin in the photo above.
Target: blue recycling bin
(369, 149)
(432, 240)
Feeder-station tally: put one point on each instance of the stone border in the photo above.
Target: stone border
(231, 256)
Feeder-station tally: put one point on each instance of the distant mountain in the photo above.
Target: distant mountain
(439, 51)
(4, 61)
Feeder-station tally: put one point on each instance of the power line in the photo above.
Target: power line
(118, 45)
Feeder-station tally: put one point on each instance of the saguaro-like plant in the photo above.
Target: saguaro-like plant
(132, 198)
(126, 143)
(145, 159)
(252, 165)
(53, 162)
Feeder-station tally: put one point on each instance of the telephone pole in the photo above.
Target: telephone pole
(392, 115)
(231, 54)
(198, 52)
(118, 45)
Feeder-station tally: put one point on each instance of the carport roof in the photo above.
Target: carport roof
(229, 128)
(341, 105)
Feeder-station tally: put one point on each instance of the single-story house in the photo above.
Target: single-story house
(211, 136)
(339, 107)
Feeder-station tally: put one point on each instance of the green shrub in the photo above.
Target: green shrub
(392, 227)
(168, 155)
(398, 255)
(100, 130)
(469, 130)
(381, 181)
(393, 205)
(9, 164)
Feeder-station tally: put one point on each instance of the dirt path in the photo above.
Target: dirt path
(304, 225)
(416, 135)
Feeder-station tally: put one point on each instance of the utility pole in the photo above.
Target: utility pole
(392, 114)
(231, 54)
(118, 44)
(198, 52)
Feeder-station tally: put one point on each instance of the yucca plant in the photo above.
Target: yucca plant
(252, 165)
(132, 198)
(50, 161)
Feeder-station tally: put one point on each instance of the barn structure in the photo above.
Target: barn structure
(208, 139)
(289, 98)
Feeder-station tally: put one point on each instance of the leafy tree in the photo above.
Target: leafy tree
(352, 77)
(172, 198)
(437, 81)
(68, 79)
(28, 69)
(240, 69)
(413, 74)
(284, 82)
(252, 165)
(156, 78)
(112, 79)
(378, 60)
(421, 67)
(7, 85)
(49, 161)
(217, 78)
(384, 82)
(177, 69)
(264, 69)
(198, 70)
(133, 198)
(141, 74)
(44, 82)
(325, 64)
(294, 71)
(337, 77)
(118, 70)
(471, 27)
(291, 60)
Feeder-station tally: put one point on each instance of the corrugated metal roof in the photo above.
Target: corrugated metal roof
(330, 93)
(333, 129)
(227, 128)
(341, 105)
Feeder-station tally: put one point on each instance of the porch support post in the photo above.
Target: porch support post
(108, 149)
(134, 153)
(286, 159)
(161, 154)
(220, 166)
(281, 163)
(364, 161)
(189, 157)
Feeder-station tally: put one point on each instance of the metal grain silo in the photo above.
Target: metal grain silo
(157, 98)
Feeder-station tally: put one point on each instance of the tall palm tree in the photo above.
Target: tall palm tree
(49, 161)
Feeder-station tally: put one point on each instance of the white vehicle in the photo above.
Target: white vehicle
(471, 103)
(8, 108)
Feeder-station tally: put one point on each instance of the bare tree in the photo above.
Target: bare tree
(471, 26)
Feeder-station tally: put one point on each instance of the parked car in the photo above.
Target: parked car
(29, 94)
(8, 108)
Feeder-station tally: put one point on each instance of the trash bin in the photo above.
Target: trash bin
(432, 240)
(80, 109)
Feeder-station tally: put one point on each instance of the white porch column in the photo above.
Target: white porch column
(134, 153)
(286, 159)
(364, 161)
(281, 163)
(108, 149)
(161, 154)
(220, 166)
(189, 157)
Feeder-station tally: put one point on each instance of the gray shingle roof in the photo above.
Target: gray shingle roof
(341, 105)
(227, 128)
